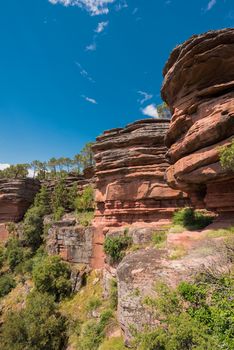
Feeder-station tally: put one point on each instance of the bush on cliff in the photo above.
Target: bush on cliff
(227, 156)
(191, 219)
(14, 253)
(196, 315)
(37, 327)
(52, 275)
(116, 246)
(85, 201)
(7, 283)
(33, 220)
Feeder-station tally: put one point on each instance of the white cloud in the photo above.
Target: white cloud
(94, 7)
(90, 100)
(145, 97)
(211, 4)
(84, 73)
(91, 47)
(4, 166)
(101, 26)
(151, 111)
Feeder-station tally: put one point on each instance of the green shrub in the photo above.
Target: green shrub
(93, 332)
(52, 275)
(113, 294)
(227, 157)
(2, 256)
(93, 304)
(196, 315)
(85, 201)
(7, 283)
(85, 217)
(191, 219)
(14, 253)
(33, 228)
(37, 327)
(159, 237)
(116, 246)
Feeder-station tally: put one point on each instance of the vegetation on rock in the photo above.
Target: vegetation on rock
(191, 219)
(227, 156)
(116, 246)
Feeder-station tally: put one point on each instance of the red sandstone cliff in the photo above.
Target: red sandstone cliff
(199, 88)
(16, 196)
(130, 168)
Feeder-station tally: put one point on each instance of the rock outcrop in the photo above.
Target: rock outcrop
(199, 89)
(70, 240)
(140, 273)
(16, 196)
(130, 168)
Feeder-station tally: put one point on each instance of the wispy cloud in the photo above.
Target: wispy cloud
(121, 5)
(101, 27)
(135, 10)
(210, 5)
(84, 72)
(91, 47)
(151, 111)
(94, 7)
(90, 100)
(144, 97)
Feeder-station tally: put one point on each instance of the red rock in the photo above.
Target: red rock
(130, 169)
(198, 87)
(16, 196)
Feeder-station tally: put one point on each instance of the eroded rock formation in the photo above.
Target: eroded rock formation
(70, 240)
(130, 168)
(16, 196)
(199, 88)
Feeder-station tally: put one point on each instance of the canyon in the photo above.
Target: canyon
(144, 173)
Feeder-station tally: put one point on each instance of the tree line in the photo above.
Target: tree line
(54, 167)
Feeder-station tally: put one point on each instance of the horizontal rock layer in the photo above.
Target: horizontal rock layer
(199, 88)
(16, 196)
(130, 169)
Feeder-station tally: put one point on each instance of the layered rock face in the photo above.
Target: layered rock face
(130, 168)
(71, 241)
(199, 88)
(16, 196)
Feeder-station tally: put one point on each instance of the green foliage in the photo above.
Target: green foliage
(33, 227)
(85, 201)
(93, 332)
(116, 246)
(113, 294)
(115, 343)
(85, 218)
(206, 305)
(17, 171)
(191, 219)
(52, 275)
(159, 237)
(7, 283)
(2, 256)
(227, 157)
(93, 304)
(14, 253)
(37, 327)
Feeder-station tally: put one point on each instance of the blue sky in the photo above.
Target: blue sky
(71, 69)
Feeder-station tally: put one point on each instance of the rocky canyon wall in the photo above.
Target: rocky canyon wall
(130, 168)
(16, 196)
(199, 89)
